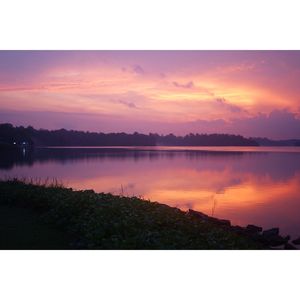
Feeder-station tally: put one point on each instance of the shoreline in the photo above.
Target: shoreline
(269, 237)
(105, 221)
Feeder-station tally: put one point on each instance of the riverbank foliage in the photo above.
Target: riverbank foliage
(106, 221)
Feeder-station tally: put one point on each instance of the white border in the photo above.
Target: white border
(149, 275)
(155, 24)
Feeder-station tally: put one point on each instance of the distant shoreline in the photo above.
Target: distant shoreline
(29, 136)
(227, 149)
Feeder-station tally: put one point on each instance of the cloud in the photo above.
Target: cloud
(231, 107)
(138, 70)
(128, 104)
(135, 69)
(279, 124)
(188, 85)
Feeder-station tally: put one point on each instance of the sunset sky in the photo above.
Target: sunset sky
(253, 93)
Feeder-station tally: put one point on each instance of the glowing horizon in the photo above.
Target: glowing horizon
(253, 93)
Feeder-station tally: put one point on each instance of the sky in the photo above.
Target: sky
(252, 93)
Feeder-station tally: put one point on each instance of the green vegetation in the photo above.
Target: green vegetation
(21, 228)
(88, 220)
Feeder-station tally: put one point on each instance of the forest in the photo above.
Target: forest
(15, 136)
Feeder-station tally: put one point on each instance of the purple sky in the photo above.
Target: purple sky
(253, 93)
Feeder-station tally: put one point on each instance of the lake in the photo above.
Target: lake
(247, 185)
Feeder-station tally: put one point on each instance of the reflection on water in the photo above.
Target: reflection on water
(239, 184)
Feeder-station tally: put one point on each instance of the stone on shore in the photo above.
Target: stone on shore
(205, 217)
(253, 228)
(276, 240)
(89, 191)
(289, 246)
(238, 229)
(272, 238)
(270, 232)
(220, 221)
(296, 241)
(198, 214)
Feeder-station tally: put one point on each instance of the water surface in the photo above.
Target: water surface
(248, 185)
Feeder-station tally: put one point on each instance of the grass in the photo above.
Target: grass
(61, 218)
(21, 228)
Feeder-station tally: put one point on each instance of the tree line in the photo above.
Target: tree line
(19, 135)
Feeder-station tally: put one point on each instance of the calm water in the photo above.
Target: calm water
(247, 185)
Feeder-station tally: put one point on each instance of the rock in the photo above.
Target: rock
(198, 214)
(205, 217)
(253, 229)
(219, 221)
(288, 246)
(274, 240)
(296, 241)
(238, 229)
(270, 232)
(258, 237)
(89, 191)
(224, 222)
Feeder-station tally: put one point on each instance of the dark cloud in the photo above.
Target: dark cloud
(138, 70)
(188, 85)
(128, 99)
(128, 104)
(279, 124)
(231, 107)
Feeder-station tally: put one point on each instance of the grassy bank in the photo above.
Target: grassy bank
(87, 220)
(21, 228)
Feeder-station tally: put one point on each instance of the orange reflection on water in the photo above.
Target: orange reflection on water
(245, 187)
(240, 197)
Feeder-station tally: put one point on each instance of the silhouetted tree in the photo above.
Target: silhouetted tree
(62, 137)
